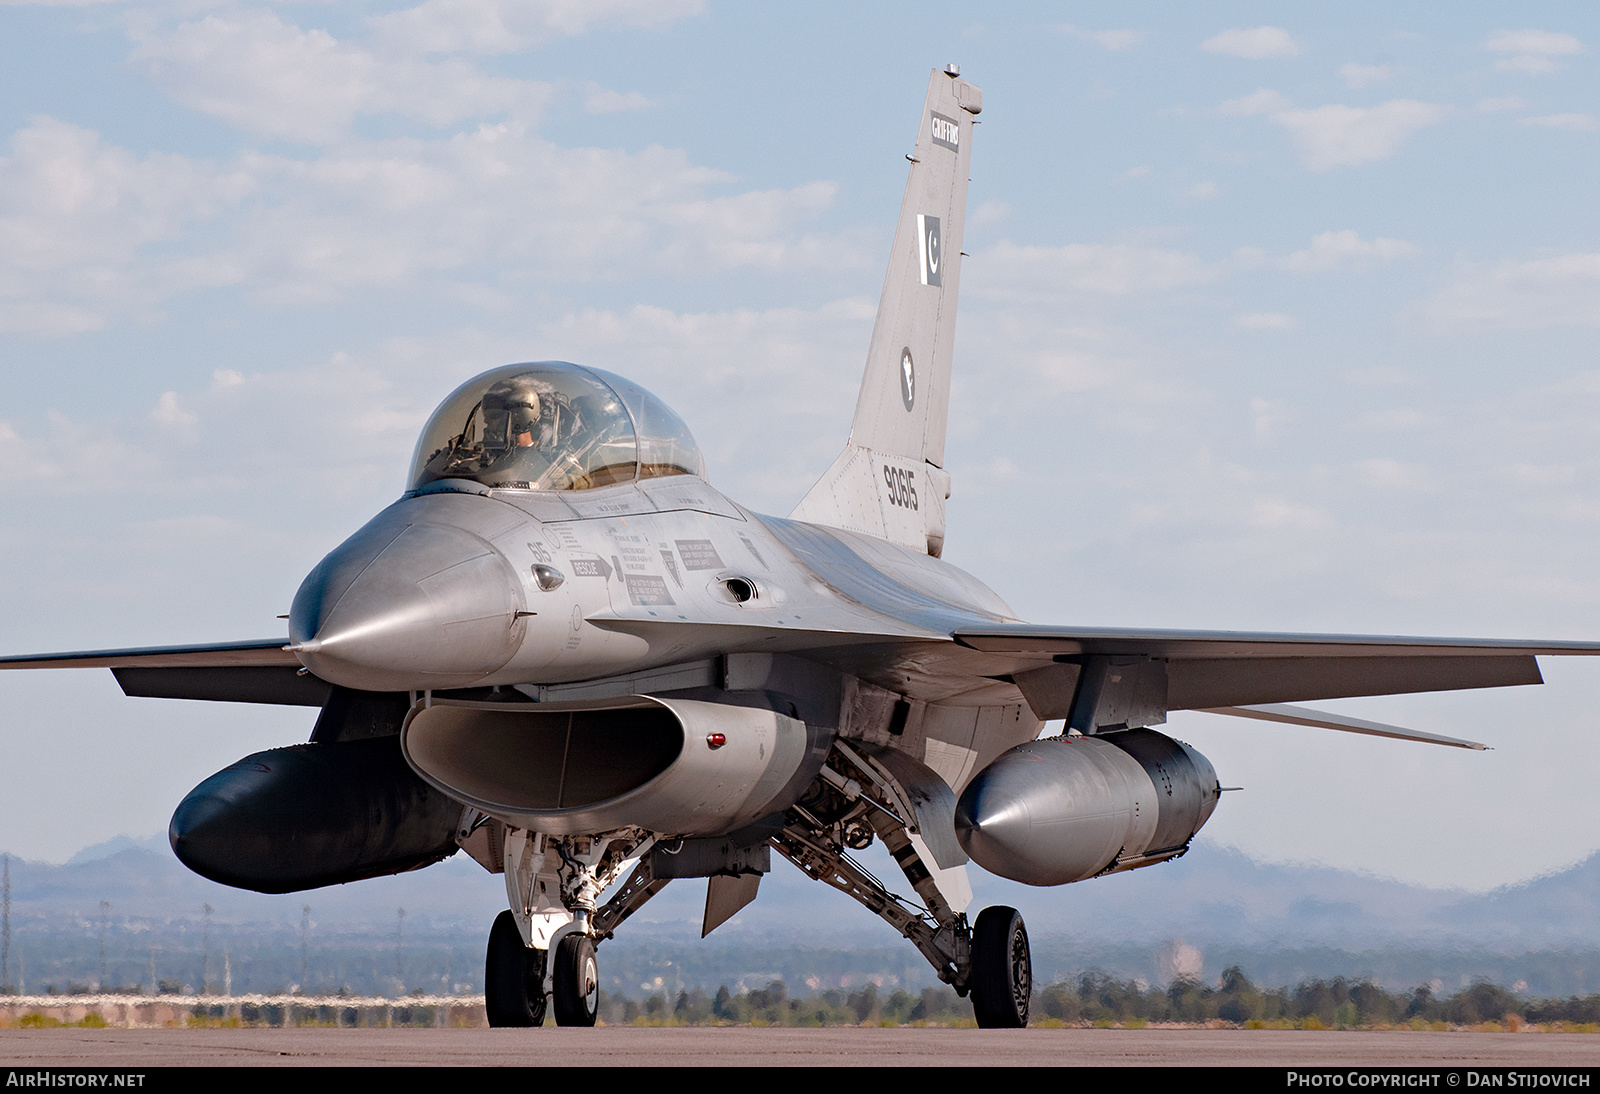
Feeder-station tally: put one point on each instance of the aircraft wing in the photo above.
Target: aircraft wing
(991, 663)
(255, 671)
(1207, 670)
(981, 663)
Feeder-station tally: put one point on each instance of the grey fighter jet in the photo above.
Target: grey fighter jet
(564, 652)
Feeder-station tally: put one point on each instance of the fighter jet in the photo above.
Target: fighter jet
(562, 651)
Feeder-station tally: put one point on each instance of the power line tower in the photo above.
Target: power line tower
(205, 960)
(399, 950)
(5, 931)
(105, 919)
(305, 950)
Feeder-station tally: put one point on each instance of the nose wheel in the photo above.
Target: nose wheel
(513, 979)
(1002, 970)
(577, 981)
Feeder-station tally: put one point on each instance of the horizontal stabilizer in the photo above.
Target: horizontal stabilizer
(275, 685)
(1318, 719)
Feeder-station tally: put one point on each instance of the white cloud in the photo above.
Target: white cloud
(1346, 136)
(1265, 320)
(1266, 415)
(1017, 272)
(88, 231)
(992, 211)
(1544, 292)
(1265, 101)
(1341, 136)
(1397, 475)
(76, 215)
(254, 71)
(1533, 52)
(1576, 123)
(1358, 76)
(1346, 250)
(170, 415)
(1501, 103)
(506, 26)
(1256, 43)
(1276, 513)
(601, 100)
(1114, 40)
(1204, 191)
(503, 199)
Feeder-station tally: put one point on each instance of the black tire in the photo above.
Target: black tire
(513, 977)
(1002, 970)
(577, 981)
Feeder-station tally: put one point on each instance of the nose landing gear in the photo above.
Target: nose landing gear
(577, 981)
(541, 950)
(514, 981)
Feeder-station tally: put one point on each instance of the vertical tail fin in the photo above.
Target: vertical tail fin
(890, 481)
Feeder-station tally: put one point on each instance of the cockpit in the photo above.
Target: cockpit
(550, 425)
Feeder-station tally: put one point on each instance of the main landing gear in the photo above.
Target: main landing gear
(543, 949)
(1002, 970)
(860, 798)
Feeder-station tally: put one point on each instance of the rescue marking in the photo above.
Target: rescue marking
(590, 567)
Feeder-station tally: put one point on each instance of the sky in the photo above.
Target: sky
(1275, 317)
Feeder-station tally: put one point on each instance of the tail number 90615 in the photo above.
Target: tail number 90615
(902, 486)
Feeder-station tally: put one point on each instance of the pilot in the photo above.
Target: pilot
(512, 431)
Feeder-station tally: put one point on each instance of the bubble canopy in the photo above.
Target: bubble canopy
(550, 425)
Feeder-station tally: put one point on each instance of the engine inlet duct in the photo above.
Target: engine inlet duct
(668, 765)
(1068, 808)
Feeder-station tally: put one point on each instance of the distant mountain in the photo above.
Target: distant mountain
(1554, 909)
(156, 844)
(1213, 894)
(143, 880)
(1282, 922)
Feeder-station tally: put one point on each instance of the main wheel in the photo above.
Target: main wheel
(577, 981)
(1002, 971)
(513, 977)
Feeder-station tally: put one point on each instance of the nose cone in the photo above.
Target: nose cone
(408, 606)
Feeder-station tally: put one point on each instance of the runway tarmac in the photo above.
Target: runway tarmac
(624, 1046)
